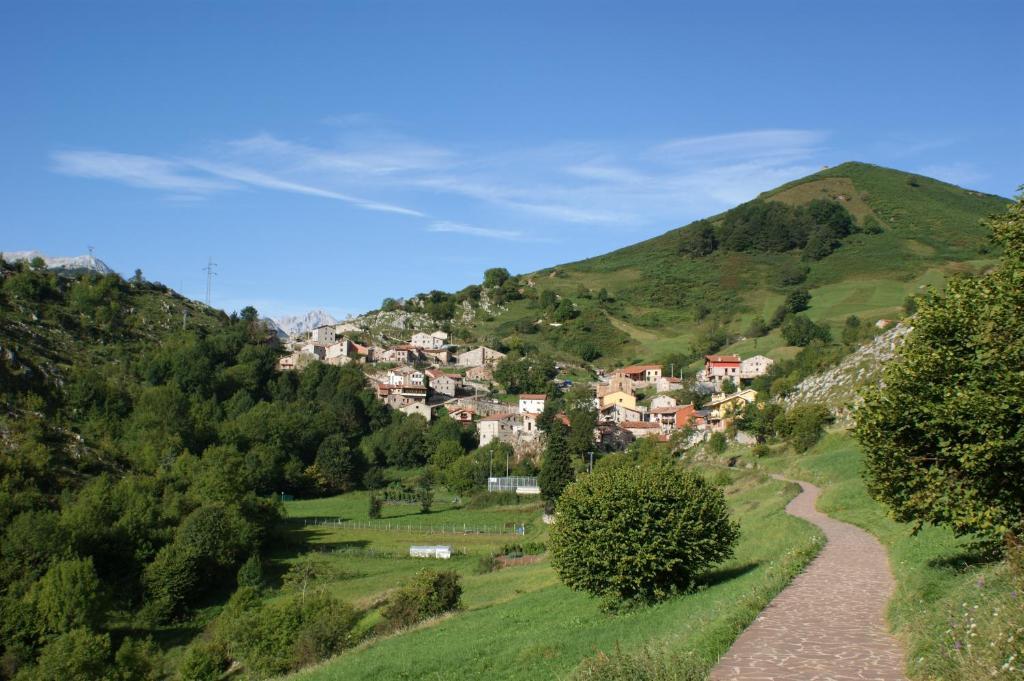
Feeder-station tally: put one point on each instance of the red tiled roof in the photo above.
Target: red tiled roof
(722, 358)
(665, 410)
(532, 396)
(633, 368)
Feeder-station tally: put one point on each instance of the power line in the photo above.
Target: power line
(210, 274)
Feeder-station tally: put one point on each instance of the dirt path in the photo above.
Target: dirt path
(829, 623)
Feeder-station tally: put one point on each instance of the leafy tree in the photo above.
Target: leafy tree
(445, 454)
(556, 471)
(251, 572)
(469, 472)
(805, 424)
(77, 655)
(376, 503)
(69, 596)
(340, 467)
(495, 277)
(796, 301)
(640, 532)
(728, 386)
(851, 330)
(425, 495)
(927, 458)
(698, 240)
(800, 330)
(548, 299)
(249, 314)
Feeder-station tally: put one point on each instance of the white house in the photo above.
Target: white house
(755, 366)
(531, 404)
(663, 401)
(429, 341)
(496, 427)
(667, 384)
(405, 376)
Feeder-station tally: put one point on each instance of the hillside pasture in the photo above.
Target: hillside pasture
(521, 623)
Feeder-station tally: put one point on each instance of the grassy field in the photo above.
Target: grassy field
(521, 623)
(943, 586)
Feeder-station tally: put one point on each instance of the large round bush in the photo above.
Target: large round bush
(640, 532)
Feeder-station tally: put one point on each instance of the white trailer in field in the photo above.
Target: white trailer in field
(441, 551)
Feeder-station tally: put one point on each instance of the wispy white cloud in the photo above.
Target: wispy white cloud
(558, 186)
(147, 172)
(486, 232)
(257, 178)
(747, 144)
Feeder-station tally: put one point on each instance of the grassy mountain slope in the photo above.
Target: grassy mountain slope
(919, 232)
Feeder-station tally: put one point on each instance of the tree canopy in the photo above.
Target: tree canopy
(944, 437)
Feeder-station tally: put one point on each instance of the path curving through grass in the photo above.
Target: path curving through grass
(829, 623)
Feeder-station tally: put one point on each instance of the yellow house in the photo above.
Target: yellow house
(619, 397)
(721, 406)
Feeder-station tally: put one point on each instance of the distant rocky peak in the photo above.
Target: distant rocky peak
(299, 324)
(77, 262)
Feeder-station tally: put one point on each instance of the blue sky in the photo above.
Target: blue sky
(331, 154)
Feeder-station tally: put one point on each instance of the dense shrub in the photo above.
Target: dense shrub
(804, 424)
(431, 593)
(282, 637)
(640, 532)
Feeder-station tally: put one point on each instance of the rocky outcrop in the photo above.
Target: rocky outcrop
(837, 388)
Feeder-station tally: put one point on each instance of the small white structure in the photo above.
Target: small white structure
(441, 551)
(531, 403)
(755, 366)
(663, 401)
(514, 483)
(429, 341)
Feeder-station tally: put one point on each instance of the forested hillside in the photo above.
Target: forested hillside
(144, 439)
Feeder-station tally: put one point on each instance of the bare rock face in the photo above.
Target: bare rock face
(837, 387)
(299, 324)
(68, 264)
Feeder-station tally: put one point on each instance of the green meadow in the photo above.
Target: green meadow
(520, 622)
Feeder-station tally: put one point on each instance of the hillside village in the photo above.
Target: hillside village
(433, 378)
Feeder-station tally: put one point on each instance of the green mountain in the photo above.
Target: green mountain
(859, 238)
